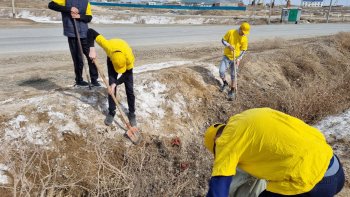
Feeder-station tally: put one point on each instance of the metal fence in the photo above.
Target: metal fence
(180, 7)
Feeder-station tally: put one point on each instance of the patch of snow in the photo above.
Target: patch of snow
(336, 125)
(194, 21)
(7, 101)
(69, 127)
(158, 66)
(35, 100)
(3, 177)
(89, 99)
(149, 99)
(15, 123)
(37, 135)
(99, 19)
(178, 105)
(58, 115)
(40, 19)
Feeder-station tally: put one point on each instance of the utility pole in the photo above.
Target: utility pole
(329, 10)
(269, 19)
(13, 9)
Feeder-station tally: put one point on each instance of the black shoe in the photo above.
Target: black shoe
(95, 83)
(223, 86)
(231, 95)
(82, 83)
(109, 120)
(132, 119)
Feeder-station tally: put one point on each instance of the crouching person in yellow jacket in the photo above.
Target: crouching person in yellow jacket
(120, 60)
(293, 157)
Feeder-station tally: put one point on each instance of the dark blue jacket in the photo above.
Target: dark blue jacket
(68, 26)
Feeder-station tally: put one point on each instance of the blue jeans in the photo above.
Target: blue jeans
(327, 187)
(224, 65)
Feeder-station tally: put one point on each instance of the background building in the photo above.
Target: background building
(312, 3)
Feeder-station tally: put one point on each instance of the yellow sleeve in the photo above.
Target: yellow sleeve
(227, 36)
(229, 148)
(60, 2)
(88, 10)
(104, 44)
(244, 46)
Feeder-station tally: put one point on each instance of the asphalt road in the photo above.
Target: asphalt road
(45, 38)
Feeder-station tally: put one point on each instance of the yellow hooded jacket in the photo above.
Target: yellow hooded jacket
(119, 52)
(291, 155)
(240, 43)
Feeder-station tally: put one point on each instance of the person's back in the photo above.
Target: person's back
(293, 157)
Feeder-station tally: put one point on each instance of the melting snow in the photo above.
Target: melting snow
(146, 20)
(158, 66)
(149, 99)
(336, 125)
(40, 19)
(102, 19)
(3, 177)
(17, 121)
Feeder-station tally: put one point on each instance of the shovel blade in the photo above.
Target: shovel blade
(133, 134)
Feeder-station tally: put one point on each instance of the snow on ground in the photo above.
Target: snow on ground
(63, 111)
(40, 19)
(147, 20)
(3, 176)
(336, 125)
(58, 111)
(122, 19)
(158, 66)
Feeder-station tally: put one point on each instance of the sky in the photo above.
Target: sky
(297, 2)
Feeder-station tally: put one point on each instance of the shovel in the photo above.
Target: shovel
(236, 79)
(133, 133)
(235, 71)
(81, 51)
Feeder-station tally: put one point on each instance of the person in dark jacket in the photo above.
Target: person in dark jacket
(80, 11)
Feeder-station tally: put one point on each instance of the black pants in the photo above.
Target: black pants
(128, 80)
(78, 59)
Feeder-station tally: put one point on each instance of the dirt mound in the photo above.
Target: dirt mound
(54, 142)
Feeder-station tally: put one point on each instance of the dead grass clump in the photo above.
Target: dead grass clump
(101, 167)
(343, 38)
(268, 44)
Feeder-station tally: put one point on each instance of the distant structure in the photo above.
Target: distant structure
(312, 3)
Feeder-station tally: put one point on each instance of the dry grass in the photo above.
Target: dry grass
(315, 78)
(100, 167)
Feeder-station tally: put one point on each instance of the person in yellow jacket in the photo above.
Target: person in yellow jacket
(293, 157)
(235, 41)
(120, 60)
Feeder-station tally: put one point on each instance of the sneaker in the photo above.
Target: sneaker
(109, 120)
(95, 83)
(132, 119)
(223, 86)
(82, 83)
(231, 95)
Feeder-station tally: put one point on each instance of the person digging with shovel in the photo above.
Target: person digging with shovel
(236, 44)
(120, 60)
